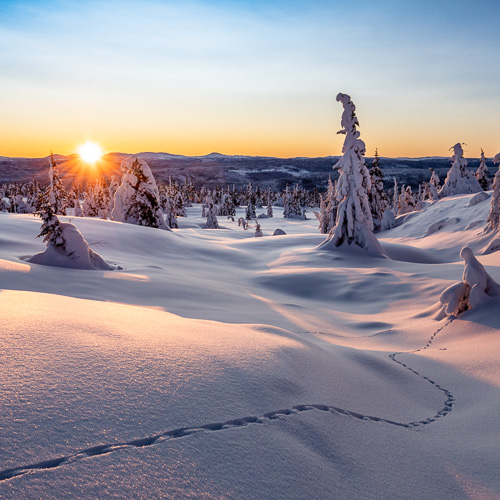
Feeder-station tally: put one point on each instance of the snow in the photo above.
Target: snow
(74, 252)
(220, 365)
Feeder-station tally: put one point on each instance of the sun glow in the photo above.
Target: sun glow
(90, 152)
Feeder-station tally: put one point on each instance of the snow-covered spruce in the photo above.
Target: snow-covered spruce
(406, 202)
(328, 209)
(476, 286)
(56, 194)
(459, 180)
(211, 211)
(66, 246)
(137, 200)
(170, 213)
(482, 173)
(395, 197)
(493, 219)
(377, 196)
(354, 223)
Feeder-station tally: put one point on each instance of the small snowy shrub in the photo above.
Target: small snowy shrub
(472, 291)
(66, 246)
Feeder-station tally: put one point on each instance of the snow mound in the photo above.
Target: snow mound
(408, 253)
(494, 246)
(478, 198)
(474, 289)
(437, 226)
(388, 220)
(74, 253)
(278, 232)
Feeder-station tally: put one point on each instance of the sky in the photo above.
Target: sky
(249, 77)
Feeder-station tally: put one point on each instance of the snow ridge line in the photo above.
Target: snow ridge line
(450, 399)
(181, 432)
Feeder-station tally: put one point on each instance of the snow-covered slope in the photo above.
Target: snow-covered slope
(219, 365)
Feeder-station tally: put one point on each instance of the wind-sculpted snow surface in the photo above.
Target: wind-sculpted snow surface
(219, 365)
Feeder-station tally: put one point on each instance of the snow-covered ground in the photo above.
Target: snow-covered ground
(219, 365)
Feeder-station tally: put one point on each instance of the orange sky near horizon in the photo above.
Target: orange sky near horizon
(248, 78)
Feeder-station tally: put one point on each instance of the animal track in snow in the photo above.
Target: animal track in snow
(182, 432)
(450, 399)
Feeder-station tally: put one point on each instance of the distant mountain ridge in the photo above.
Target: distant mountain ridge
(219, 169)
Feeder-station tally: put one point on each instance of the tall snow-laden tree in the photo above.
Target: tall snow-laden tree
(377, 196)
(482, 173)
(56, 194)
(170, 214)
(354, 223)
(328, 209)
(493, 219)
(137, 200)
(250, 200)
(211, 211)
(395, 197)
(270, 202)
(459, 180)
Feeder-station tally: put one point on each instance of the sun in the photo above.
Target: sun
(90, 152)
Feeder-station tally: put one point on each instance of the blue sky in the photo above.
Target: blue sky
(249, 77)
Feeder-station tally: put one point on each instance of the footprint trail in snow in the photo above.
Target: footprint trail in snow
(269, 417)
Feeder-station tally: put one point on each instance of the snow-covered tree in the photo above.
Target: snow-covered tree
(395, 197)
(96, 201)
(434, 180)
(406, 201)
(292, 208)
(137, 200)
(170, 214)
(66, 246)
(482, 173)
(377, 196)
(250, 200)
(459, 180)
(493, 219)
(328, 209)
(258, 230)
(227, 207)
(431, 188)
(50, 232)
(56, 194)
(211, 211)
(270, 203)
(354, 223)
